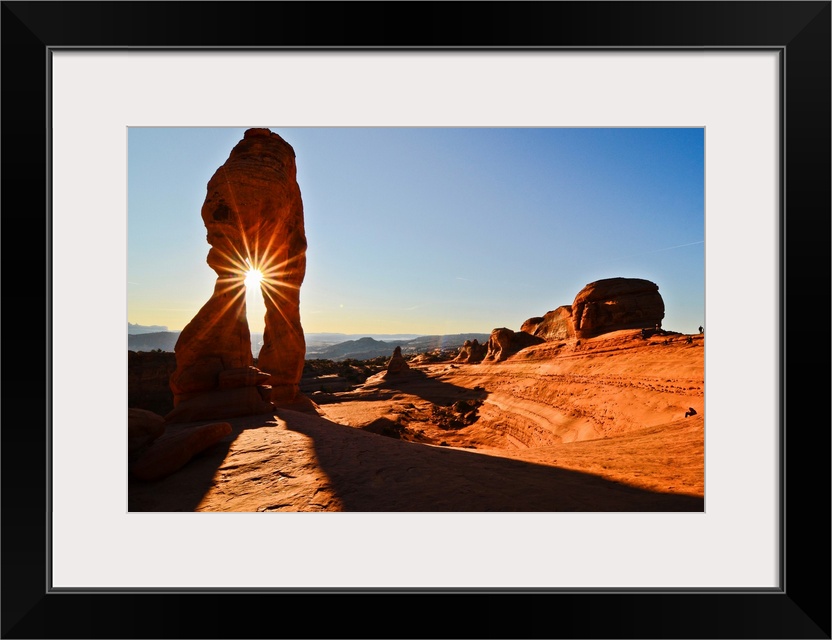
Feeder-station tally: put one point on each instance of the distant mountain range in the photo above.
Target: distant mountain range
(321, 346)
(135, 329)
(164, 340)
(367, 347)
(335, 338)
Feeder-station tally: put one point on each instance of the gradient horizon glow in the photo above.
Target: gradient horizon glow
(435, 230)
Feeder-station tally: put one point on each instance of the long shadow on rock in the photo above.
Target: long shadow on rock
(371, 473)
(184, 489)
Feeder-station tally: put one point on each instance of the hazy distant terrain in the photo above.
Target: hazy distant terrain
(324, 346)
(366, 348)
(164, 340)
(133, 329)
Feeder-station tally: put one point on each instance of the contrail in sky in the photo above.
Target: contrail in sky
(678, 246)
(644, 253)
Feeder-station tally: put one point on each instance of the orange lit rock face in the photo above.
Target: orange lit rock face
(601, 307)
(471, 351)
(617, 303)
(504, 342)
(555, 325)
(253, 214)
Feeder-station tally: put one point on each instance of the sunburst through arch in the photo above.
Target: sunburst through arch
(263, 287)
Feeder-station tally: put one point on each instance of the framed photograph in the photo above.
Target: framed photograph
(754, 77)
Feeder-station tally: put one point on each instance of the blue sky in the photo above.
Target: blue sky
(436, 230)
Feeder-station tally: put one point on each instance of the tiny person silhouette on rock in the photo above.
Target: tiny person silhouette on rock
(690, 412)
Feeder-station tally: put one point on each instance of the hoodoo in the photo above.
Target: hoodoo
(397, 364)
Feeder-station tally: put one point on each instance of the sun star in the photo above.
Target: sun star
(253, 278)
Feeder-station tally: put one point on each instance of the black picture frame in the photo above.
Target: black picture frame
(800, 608)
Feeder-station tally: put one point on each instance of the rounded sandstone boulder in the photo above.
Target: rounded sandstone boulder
(172, 452)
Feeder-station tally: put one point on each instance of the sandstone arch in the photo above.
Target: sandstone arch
(253, 214)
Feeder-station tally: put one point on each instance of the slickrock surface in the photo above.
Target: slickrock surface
(595, 426)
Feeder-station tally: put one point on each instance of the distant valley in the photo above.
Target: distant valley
(367, 347)
(323, 346)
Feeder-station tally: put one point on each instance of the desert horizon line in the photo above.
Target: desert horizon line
(369, 334)
(165, 328)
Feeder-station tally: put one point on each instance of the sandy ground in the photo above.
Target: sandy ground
(598, 426)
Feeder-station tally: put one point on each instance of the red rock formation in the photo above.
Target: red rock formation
(242, 377)
(504, 342)
(471, 352)
(531, 325)
(555, 325)
(254, 217)
(171, 453)
(397, 363)
(616, 303)
(143, 427)
(148, 380)
(601, 307)
(499, 344)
